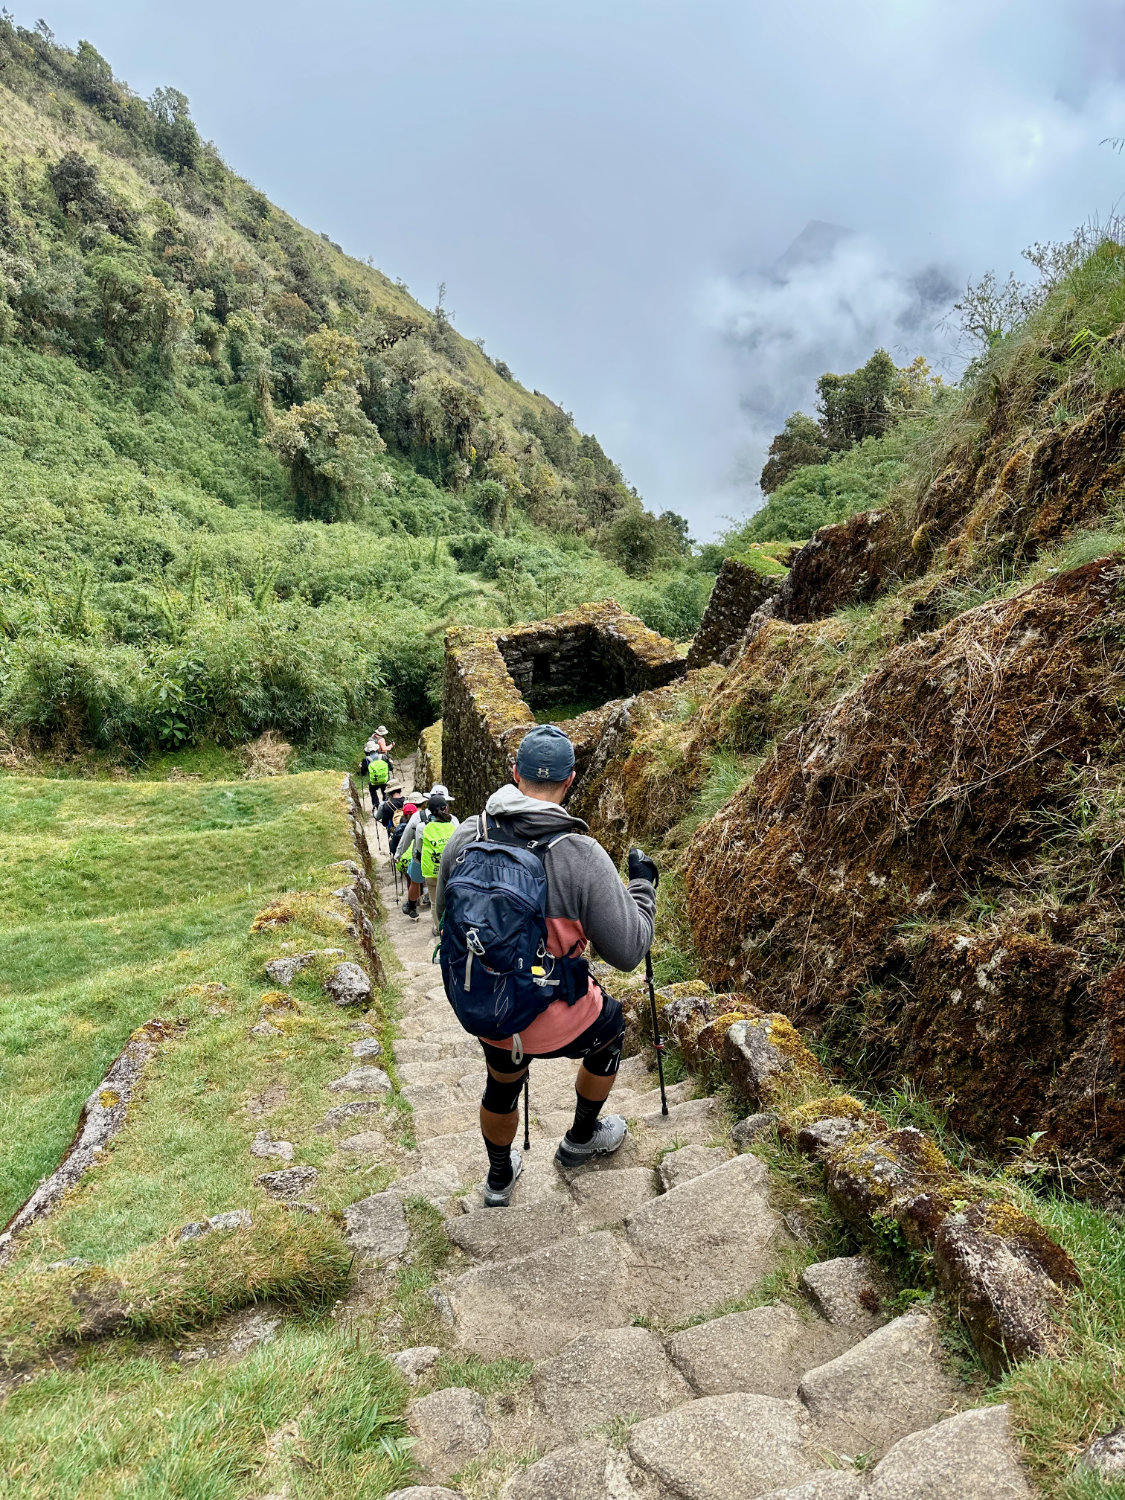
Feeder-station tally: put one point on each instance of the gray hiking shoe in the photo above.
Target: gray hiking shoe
(609, 1134)
(410, 909)
(501, 1197)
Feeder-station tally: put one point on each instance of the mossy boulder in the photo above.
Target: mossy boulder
(1008, 1278)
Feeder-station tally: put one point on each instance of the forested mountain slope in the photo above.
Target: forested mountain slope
(242, 474)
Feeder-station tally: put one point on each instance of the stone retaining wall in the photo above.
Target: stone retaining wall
(739, 591)
(1007, 1277)
(588, 652)
(427, 764)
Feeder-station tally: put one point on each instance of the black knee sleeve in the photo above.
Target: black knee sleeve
(500, 1097)
(605, 1062)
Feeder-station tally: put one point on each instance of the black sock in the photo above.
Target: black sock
(586, 1113)
(499, 1164)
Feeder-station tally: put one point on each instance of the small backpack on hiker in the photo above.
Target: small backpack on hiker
(495, 963)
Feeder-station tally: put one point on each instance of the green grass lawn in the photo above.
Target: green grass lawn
(121, 901)
(115, 900)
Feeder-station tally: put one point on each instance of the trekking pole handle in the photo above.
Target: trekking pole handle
(657, 1042)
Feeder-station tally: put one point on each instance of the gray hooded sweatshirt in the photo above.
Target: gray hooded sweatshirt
(587, 902)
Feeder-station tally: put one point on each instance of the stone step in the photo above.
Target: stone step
(764, 1351)
(968, 1457)
(584, 1471)
(725, 1447)
(444, 1119)
(507, 1234)
(532, 1307)
(706, 1242)
(431, 1069)
(597, 1377)
(889, 1384)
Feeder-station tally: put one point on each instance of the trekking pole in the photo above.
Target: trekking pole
(656, 1040)
(527, 1110)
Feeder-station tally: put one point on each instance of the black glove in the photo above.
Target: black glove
(641, 867)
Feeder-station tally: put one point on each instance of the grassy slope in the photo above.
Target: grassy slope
(117, 900)
(124, 901)
(151, 574)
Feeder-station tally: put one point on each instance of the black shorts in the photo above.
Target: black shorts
(603, 1035)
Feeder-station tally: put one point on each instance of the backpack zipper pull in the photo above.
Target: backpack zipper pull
(473, 946)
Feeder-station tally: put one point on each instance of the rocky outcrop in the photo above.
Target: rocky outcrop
(638, 781)
(846, 563)
(958, 755)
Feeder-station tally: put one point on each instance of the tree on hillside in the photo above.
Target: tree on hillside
(862, 404)
(638, 540)
(176, 137)
(857, 406)
(799, 442)
(323, 441)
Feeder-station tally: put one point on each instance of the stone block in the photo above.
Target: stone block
(1008, 1278)
(547, 1298)
(604, 1198)
(289, 1182)
(847, 1292)
(687, 1162)
(415, 1362)
(751, 1128)
(583, 1471)
(765, 1350)
(362, 1081)
(707, 1241)
(891, 1383)
(450, 1430)
(377, 1225)
(348, 984)
(724, 1447)
(504, 1234)
(623, 1372)
(969, 1457)
(763, 1054)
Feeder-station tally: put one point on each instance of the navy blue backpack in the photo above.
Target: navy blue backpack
(497, 972)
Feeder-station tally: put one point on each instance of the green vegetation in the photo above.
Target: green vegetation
(121, 902)
(853, 410)
(310, 1410)
(191, 386)
(156, 885)
(860, 478)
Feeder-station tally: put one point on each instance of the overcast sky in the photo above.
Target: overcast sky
(606, 186)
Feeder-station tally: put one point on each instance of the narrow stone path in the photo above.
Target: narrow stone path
(631, 1287)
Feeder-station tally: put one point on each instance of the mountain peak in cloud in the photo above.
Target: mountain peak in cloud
(814, 246)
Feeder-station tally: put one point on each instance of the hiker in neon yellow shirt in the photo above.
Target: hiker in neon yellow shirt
(435, 835)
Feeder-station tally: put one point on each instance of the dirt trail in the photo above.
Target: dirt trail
(633, 1287)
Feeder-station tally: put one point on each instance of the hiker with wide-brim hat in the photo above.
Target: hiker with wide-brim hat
(524, 835)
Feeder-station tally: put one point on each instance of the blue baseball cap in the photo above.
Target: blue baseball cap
(545, 754)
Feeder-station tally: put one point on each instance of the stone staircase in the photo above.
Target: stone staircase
(633, 1286)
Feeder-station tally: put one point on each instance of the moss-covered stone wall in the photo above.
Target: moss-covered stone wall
(427, 764)
(739, 591)
(596, 652)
